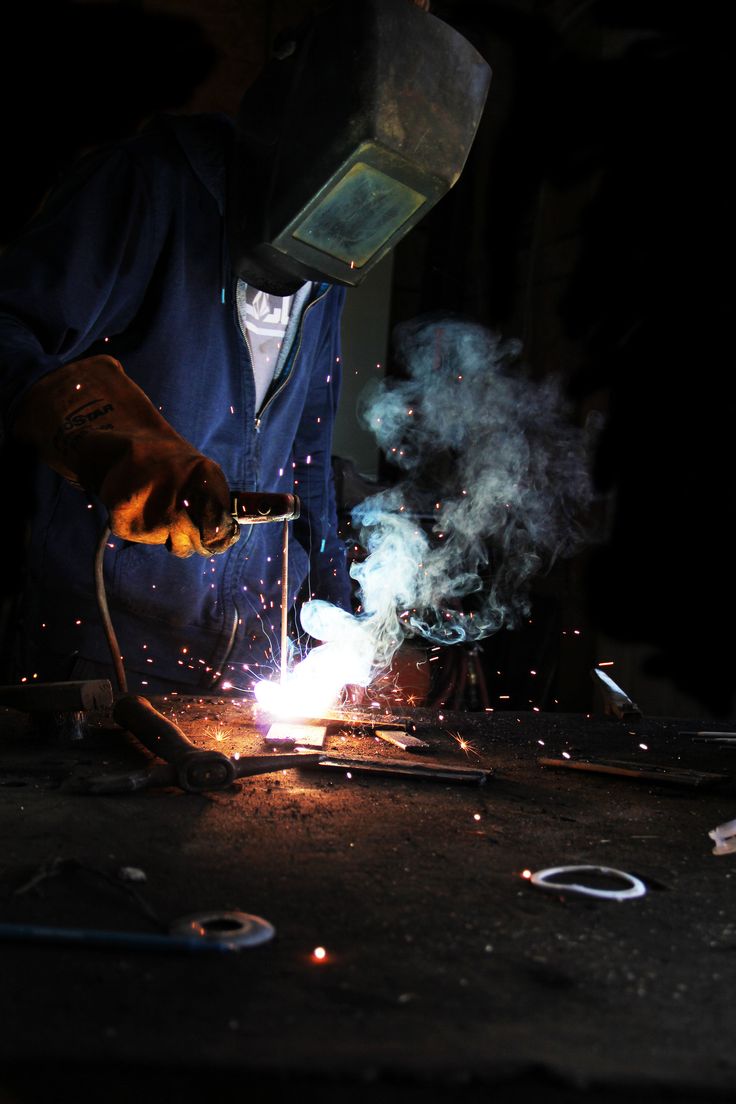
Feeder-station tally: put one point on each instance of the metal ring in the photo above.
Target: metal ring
(231, 929)
(636, 886)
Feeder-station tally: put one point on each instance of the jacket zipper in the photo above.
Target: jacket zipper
(258, 417)
(280, 387)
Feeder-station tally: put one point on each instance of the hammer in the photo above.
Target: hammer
(58, 708)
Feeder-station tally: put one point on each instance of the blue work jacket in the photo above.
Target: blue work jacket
(129, 257)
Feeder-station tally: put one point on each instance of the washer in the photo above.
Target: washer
(636, 887)
(232, 929)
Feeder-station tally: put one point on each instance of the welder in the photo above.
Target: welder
(169, 333)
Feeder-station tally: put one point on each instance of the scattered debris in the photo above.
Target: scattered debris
(132, 874)
(725, 838)
(401, 739)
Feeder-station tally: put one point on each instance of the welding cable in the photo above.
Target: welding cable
(112, 640)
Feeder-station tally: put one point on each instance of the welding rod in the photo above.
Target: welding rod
(284, 598)
(706, 737)
(255, 508)
(677, 776)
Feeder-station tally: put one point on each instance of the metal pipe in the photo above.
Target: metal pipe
(96, 937)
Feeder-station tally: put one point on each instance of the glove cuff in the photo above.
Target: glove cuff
(87, 397)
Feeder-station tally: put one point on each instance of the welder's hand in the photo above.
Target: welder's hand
(96, 427)
(159, 491)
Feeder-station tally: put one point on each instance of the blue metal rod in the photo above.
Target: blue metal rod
(97, 937)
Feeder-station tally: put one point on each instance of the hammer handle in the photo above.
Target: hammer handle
(156, 732)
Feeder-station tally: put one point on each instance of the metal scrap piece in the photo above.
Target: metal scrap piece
(615, 700)
(724, 837)
(401, 739)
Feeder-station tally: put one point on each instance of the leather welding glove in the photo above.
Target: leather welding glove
(93, 425)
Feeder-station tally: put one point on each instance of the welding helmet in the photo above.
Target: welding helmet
(360, 121)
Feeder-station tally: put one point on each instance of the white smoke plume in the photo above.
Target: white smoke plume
(496, 485)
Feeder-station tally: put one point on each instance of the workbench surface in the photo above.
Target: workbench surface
(446, 971)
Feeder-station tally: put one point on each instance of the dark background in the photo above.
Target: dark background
(591, 222)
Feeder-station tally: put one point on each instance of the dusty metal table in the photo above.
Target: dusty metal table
(446, 973)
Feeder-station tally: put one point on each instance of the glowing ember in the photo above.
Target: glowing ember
(216, 733)
(319, 954)
(463, 744)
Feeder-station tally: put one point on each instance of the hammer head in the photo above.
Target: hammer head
(58, 709)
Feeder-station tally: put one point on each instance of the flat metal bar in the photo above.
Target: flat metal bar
(400, 739)
(398, 768)
(303, 735)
